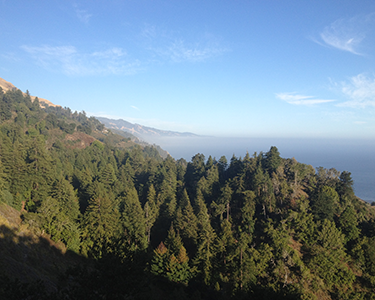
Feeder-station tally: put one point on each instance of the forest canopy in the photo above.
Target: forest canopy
(257, 227)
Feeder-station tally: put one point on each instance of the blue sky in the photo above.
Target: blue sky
(223, 68)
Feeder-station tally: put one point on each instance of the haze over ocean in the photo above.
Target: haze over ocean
(355, 156)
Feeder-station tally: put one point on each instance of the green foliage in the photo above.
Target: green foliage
(348, 224)
(100, 225)
(258, 227)
(329, 260)
(272, 160)
(172, 262)
(133, 221)
(324, 203)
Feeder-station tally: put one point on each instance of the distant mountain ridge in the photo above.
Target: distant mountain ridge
(141, 131)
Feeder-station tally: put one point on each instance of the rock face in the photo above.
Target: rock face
(5, 85)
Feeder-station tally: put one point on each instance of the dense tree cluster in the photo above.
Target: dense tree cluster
(260, 226)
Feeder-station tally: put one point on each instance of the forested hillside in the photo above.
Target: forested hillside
(132, 225)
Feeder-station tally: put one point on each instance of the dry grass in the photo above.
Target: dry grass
(29, 256)
(81, 140)
(5, 85)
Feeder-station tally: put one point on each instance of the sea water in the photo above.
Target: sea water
(355, 156)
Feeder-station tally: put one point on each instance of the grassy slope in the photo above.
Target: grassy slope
(29, 256)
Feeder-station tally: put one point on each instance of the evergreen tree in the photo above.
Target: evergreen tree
(67, 199)
(222, 166)
(51, 217)
(272, 160)
(225, 253)
(324, 203)
(100, 224)
(40, 169)
(173, 267)
(173, 241)
(223, 203)
(107, 176)
(329, 261)
(151, 211)
(186, 222)
(245, 266)
(206, 238)
(133, 221)
(348, 224)
(345, 186)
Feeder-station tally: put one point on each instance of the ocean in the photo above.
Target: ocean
(355, 156)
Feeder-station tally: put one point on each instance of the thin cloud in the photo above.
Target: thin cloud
(10, 56)
(136, 108)
(360, 90)
(68, 60)
(170, 46)
(82, 15)
(296, 99)
(339, 36)
(179, 51)
(349, 35)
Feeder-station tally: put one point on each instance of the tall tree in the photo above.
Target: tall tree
(151, 211)
(272, 160)
(206, 247)
(324, 202)
(186, 222)
(100, 224)
(133, 221)
(222, 205)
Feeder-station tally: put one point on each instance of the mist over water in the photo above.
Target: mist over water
(355, 156)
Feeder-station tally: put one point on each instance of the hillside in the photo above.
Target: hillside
(92, 215)
(129, 141)
(31, 256)
(5, 85)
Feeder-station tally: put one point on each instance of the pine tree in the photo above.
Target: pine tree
(245, 266)
(151, 211)
(206, 239)
(222, 166)
(272, 160)
(324, 203)
(41, 170)
(3, 187)
(63, 191)
(159, 263)
(107, 176)
(171, 260)
(133, 221)
(100, 224)
(223, 203)
(51, 217)
(348, 224)
(173, 241)
(329, 260)
(125, 179)
(225, 252)
(186, 222)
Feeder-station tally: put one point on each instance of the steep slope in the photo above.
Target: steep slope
(80, 141)
(31, 256)
(5, 85)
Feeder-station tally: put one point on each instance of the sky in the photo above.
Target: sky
(285, 69)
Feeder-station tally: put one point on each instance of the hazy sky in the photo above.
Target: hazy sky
(223, 68)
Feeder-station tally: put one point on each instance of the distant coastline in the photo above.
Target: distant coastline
(355, 156)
